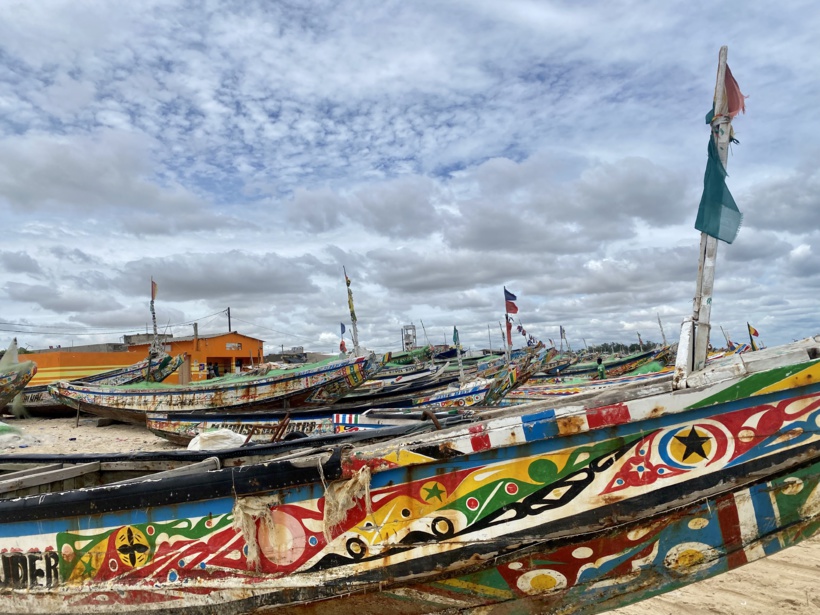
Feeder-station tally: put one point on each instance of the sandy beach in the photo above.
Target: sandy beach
(784, 583)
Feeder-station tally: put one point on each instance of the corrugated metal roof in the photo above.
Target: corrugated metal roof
(204, 336)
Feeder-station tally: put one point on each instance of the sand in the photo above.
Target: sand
(786, 583)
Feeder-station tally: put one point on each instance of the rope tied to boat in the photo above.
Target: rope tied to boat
(342, 496)
(247, 513)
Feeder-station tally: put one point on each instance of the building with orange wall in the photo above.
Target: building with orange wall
(222, 352)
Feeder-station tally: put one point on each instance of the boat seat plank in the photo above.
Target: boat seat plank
(31, 471)
(41, 478)
(206, 465)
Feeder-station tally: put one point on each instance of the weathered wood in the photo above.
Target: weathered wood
(19, 473)
(211, 463)
(706, 269)
(42, 478)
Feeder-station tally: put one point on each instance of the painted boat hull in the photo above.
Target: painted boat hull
(13, 379)
(632, 497)
(39, 402)
(300, 387)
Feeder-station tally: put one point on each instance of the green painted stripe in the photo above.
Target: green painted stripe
(752, 384)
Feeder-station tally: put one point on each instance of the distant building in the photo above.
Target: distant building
(217, 353)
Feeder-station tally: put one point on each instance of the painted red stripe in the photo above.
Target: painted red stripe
(730, 529)
(479, 440)
(616, 414)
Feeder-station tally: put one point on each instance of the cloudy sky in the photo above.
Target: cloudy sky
(243, 153)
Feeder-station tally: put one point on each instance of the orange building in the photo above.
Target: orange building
(223, 352)
(220, 353)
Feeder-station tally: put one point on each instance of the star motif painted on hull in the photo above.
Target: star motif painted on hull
(693, 443)
(434, 492)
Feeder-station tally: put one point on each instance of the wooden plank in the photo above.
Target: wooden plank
(141, 466)
(17, 473)
(43, 478)
(14, 467)
(211, 463)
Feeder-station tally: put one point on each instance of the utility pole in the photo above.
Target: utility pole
(229, 320)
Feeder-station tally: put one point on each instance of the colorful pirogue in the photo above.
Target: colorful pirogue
(535, 504)
(13, 375)
(312, 384)
(38, 400)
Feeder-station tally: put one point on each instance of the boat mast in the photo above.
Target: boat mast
(354, 328)
(663, 335)
(694, 341)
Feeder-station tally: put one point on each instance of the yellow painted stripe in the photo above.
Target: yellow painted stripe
(810, 375)
(404, 458)
(475, 587)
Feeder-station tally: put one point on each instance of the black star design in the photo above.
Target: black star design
(693, 443)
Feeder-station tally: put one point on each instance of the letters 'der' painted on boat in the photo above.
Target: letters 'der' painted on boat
(575, 507)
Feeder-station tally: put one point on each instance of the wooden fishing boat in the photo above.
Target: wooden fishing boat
(303, 385)
(39, 402)
(536, 391)
(632, 493)
(617, 366)
(494, 380)
(14, 375)
(265, 427)
(180, 427)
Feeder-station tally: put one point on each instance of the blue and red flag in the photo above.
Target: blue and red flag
(509, 306)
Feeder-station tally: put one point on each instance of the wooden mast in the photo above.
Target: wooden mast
(694, 341)
(354, 328)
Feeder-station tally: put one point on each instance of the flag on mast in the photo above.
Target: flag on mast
(456, 340)
(153, 289)
(753, 333)
(509, 330)
(718, 215)
(509, 306)
(343, 328)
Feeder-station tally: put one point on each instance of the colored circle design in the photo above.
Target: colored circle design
(132, 546)
(356, 548)
(792, 486)
(691, 446)
(472, 503)
(542, 581)
(698, 523)
(511, 488)
(690, 557)
(442, 527)
(281, 539)
(582, 553)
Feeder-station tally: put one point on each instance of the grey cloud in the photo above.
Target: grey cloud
(86, 173)
(74, 255)
(20, 262)
(59, 300)
(783, 204)
(403, 207)
(218, 275)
